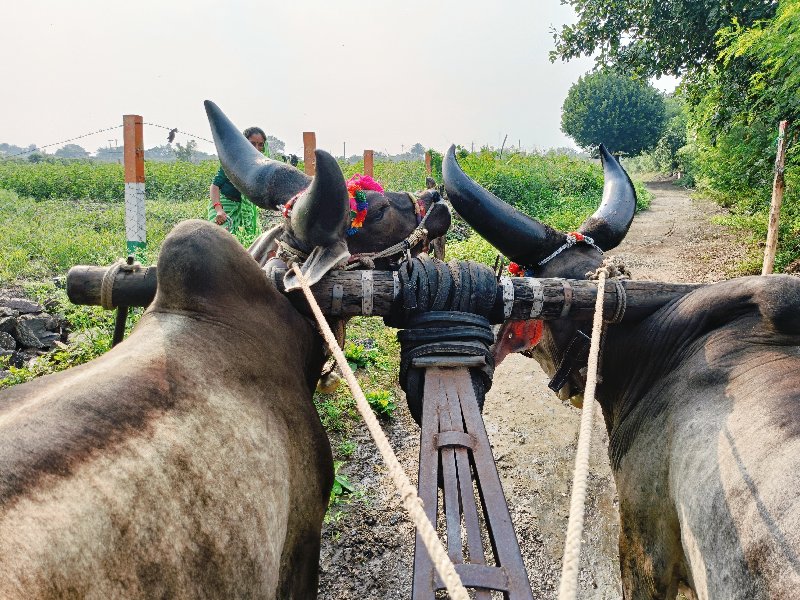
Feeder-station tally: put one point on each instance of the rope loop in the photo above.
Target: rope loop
(107, 283)
(616, 271)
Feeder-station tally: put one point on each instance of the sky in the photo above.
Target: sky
(379, 75)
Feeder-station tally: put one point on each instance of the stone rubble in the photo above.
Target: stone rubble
(27, 330)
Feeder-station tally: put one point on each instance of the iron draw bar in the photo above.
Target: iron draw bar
(352, 293)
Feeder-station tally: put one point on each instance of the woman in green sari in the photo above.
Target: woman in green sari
(229, 207)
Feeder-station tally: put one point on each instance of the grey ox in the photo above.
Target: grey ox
(702, 405)
(187, 462)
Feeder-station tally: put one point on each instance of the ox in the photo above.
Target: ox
(187, 462)
(702, 405)
(391, 216)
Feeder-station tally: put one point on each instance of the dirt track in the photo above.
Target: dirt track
(369, 552)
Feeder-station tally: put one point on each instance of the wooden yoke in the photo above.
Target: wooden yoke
(351, 293)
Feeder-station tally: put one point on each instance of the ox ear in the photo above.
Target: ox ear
(268, 183)
(610, 222)
(319, 221)
(522, 239)
(438, 221)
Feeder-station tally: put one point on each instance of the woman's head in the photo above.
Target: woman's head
(256, 136)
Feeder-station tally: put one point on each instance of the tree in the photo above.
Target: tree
(604, 107)
(163, 153)
(276, 146)
(185, 153)
(417, 150)
(71, 151)
(652, 37)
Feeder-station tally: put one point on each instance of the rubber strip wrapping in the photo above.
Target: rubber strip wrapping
(443, 313)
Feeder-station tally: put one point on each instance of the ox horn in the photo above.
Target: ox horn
(268, 183)
(320, 218)
(610, 222)
(521, 238)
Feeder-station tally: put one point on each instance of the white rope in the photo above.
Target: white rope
(568, 588)
(408, 493)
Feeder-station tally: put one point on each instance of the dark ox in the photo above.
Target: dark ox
(318, 228)
(187, 462)
(702, 405)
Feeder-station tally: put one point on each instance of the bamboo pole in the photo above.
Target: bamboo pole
(778, 186)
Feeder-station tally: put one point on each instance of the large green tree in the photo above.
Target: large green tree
(625, 114)
(653, 37)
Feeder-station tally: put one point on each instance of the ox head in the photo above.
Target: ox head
(320, 215)
(528, 242)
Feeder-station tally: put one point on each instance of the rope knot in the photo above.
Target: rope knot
(107, 283)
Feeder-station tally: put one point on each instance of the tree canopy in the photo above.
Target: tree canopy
(651, 37)
(604, 107)
(71, 151)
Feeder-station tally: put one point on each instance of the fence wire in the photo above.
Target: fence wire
(91, 133)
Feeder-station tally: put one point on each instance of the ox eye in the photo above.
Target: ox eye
(381, 212)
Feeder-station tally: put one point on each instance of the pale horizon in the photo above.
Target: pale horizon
(371, 75)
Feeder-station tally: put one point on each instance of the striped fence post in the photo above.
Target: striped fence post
(133, 140)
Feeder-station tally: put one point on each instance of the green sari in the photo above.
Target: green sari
(242, 216)
(242, 219)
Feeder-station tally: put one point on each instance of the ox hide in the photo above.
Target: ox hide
(187, 462)
(702, 405)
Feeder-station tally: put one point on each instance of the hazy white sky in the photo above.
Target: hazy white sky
(378, 74)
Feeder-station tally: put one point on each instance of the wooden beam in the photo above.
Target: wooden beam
(341, 293)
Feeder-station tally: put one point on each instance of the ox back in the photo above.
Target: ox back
(189, 461)
(702, 403)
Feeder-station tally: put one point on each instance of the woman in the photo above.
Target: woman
(228, 207)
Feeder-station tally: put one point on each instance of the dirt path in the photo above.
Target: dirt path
(368, 553)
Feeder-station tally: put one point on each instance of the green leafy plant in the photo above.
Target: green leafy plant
(382, 403)
(341, 485)
(359, 356)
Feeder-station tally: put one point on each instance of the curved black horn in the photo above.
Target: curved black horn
(268, 183)
(521, 238)
(610, 222)
(321, 215)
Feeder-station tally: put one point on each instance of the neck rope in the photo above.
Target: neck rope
(573, 237)
(357, 187)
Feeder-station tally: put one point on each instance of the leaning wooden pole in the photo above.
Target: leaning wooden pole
(778, 186)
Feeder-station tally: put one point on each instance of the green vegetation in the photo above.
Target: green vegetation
(83, 180)
(43, 239)
(625, 114)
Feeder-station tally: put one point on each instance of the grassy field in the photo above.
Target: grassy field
(54, 216)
